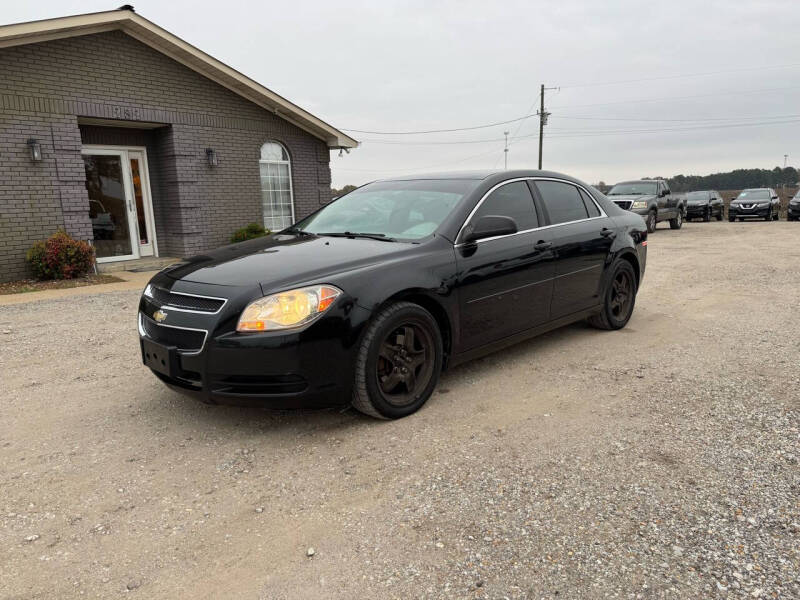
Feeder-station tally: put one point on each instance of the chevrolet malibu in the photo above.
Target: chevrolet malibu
(366, 301)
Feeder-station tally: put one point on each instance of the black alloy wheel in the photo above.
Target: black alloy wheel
(398, 362)
(619, 299)
(651, 221)
(404, 364)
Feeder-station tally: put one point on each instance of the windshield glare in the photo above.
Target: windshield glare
(754, 195)
(634, 189)
(405, 210)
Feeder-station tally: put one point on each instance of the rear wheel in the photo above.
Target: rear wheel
(619, 298)
(651, 221)
(398, 362)
(677, 222)
(777, 216)
(720, 214)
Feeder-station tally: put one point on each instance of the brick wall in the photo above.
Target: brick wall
(46, 87)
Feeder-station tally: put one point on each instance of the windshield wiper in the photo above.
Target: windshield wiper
(296, 231)
(381, 237)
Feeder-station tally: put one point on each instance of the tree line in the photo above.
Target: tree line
(735, 180)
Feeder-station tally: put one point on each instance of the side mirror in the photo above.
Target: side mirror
(774, 197)
(489, 226)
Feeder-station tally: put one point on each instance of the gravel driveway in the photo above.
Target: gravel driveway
(660, 461)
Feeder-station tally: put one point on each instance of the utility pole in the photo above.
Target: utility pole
(542, 120)
(505, 133)
(785, 156)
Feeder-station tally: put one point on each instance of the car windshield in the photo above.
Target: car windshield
(754, 195)
(697, 196)
(636, 188)
(404, 210)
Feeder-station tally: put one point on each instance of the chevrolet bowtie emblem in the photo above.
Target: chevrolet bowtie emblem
(160, 316)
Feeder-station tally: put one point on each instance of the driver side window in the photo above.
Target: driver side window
(511, 200)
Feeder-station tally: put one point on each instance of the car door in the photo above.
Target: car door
(505, 283)
(582, 238)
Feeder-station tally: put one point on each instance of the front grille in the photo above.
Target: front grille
(185, 340)
(624, 204)
(186, 302)
(747, 206)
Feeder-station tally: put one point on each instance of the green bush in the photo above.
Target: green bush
(60, 257)
(250, 232)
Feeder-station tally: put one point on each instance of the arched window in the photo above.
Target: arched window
(276, 186)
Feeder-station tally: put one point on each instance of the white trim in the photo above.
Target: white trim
(147, 196)
(288, 163)
(603, 214)
(170, 45)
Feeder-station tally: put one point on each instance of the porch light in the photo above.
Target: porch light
(211, 155)
(36, 150)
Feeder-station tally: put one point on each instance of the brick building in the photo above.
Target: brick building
(123, 134)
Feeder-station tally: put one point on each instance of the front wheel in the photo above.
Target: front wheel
(619, 298)
(707, 215)
(677, 222)
(720, 215)
(651, 221)
(398, 362)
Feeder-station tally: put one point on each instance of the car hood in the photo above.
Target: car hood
(632, 197)
(278, 260)
(695, 202)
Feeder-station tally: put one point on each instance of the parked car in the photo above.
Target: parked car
(650, 198)
(368, 299)
(760, 203)
(793, 213)
(704, 205)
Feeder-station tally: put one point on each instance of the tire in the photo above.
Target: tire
(613, 316)
(677, 222)
(707, 215)
(721, 215)
(651, 221)
(777, 216)
(731, 218)
(370, 393)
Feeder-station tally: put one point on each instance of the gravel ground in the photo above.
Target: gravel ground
(660, 461)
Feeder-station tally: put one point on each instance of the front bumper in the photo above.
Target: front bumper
(794, 211)
(698, 210)
(740, 213)
(312, 366)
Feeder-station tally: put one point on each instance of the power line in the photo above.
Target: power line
(585, 133)
(530, 114)
(681, 76)
(522, 118)
(767, 121)
(672, 120)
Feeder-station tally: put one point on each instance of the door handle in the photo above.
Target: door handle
(608, 233)
(542, 246)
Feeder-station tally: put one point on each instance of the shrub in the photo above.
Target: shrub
(250, 232)
(60, 257)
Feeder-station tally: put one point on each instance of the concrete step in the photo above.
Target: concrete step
(150, 263)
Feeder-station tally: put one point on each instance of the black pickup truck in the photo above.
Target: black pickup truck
(652, 199)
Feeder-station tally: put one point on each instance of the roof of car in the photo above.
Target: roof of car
(479, 175)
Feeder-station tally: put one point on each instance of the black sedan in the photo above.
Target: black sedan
(367, 300)
(705, 205)
(793, 210)
(756, 203)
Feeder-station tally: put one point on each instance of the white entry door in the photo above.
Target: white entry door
(120, 205)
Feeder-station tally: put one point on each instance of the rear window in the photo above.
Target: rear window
(562, 201)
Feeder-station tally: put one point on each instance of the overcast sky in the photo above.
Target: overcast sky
(702, 70)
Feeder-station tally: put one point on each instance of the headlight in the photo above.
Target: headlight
(640, 204)
(285, 310)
